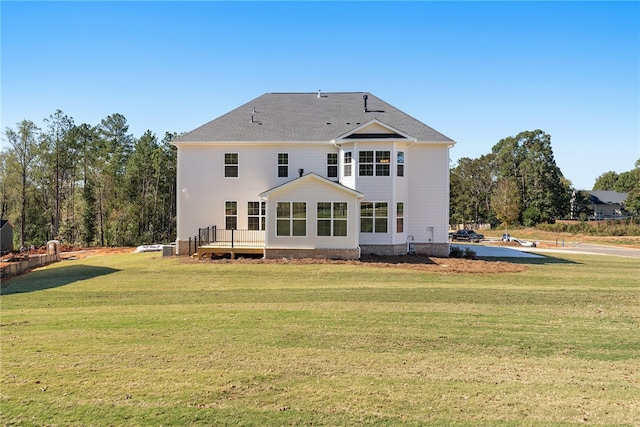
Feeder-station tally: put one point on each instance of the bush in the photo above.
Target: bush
(456, 252)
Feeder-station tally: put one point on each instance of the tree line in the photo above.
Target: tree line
(88, 185)
(519, 183)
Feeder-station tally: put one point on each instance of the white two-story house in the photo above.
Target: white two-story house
(332, 175)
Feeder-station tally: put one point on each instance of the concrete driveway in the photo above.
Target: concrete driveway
(498, 251)
(488, 250)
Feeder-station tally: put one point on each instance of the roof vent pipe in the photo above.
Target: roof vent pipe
(301, 172)
(319, 93)
(365, 97)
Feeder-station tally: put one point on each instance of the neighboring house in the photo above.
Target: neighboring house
(607, 204)
(316, 175)
(6, 236)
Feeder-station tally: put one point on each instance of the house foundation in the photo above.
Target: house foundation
(312, 253)
(440, 250)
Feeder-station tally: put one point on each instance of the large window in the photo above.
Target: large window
(347, 163)
(256, 215)
(332, 218)
(400, 163)
(374, 217)
(291, 219)
(231, 215)
(231, 165)
(370, 165)
(399, 217)
(332, 165)
(283, 165)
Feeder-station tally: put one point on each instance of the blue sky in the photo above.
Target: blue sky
(476, 71)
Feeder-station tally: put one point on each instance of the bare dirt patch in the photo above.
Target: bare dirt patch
(412, 262)
(78, 253)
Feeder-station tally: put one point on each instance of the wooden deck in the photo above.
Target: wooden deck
(209, 251)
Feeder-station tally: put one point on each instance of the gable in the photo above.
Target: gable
(311, 184)
(375, 130)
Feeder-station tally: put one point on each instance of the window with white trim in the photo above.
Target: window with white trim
(370, 165)
(231, 165)
(291, 219)
(374, 217)
(332, 219)
(399, 217)
(400, 163)
(256, 214)
(347, 163)
(283, 165)
(231, 215)
(332, 165)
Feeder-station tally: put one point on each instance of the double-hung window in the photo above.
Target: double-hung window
(347, 163)
(400, 163)
(332, 165)
(374, 217)
(231, 215)
(365, 163)
(399, 217)
(231, 165)
(283, 165)
(256, 215)
(332, 219)
(383, 163)
(291, 219)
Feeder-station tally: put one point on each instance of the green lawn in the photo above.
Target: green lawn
(137, 339)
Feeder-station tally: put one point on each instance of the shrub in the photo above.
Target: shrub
(456, 252)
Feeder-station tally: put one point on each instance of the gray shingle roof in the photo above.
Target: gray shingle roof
(281, 117)
(604, 197)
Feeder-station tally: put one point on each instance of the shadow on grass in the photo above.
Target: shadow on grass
(52, 278)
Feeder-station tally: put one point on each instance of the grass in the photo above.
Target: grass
(137, 339)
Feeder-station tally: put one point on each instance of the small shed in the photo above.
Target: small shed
(6, 236)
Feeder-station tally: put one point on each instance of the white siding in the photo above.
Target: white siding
(428, 192)
(203, 189)
(312, 191)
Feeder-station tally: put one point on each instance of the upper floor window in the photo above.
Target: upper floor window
(332, 165)
(231, 165)
(283, 165)
(291, 219)
(374, 217)
(332, 218)
(347, 163)
(231, 215)
(256, 215)
(400, 163)
(370, 165)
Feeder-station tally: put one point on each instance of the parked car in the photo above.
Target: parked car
(466, 235)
